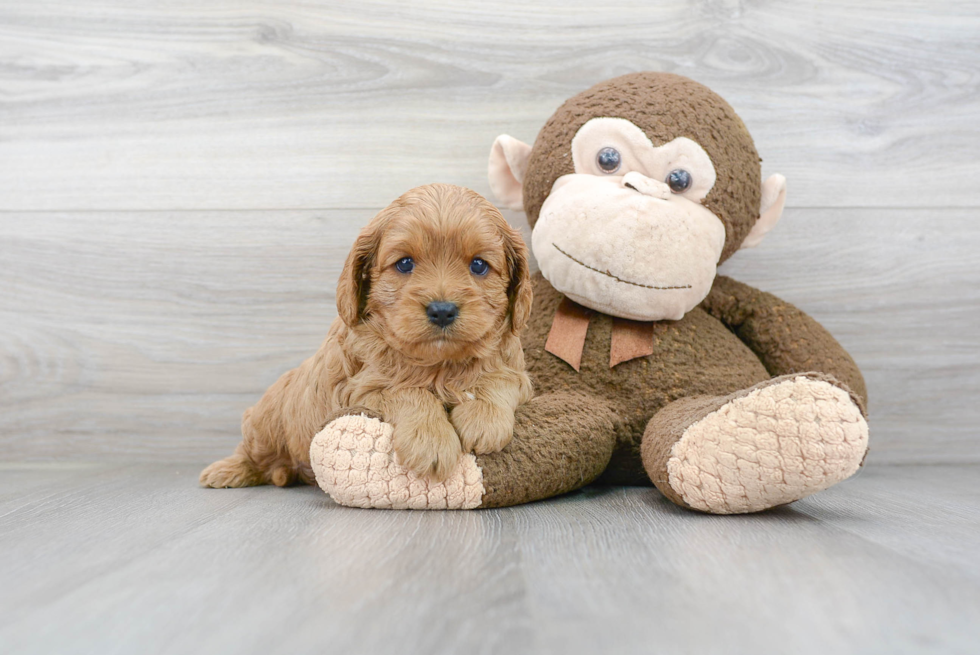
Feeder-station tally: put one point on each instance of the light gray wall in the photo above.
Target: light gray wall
(180, 181)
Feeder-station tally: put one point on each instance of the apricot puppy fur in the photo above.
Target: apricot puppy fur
(431, 301)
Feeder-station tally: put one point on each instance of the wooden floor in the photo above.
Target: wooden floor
(137, 559)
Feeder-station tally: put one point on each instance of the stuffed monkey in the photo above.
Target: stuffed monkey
(648, 366)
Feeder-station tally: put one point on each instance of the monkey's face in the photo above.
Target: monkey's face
(626, 233)
(635, 190)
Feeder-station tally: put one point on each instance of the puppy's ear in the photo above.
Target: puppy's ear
(354, 283)
(519, 291)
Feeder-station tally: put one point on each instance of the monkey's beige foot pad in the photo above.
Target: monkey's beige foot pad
(353, 462)
(774, 445)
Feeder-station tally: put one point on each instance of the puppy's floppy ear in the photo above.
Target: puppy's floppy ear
(353, 285)
(519, 290)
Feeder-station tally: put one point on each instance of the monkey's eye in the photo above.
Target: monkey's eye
(679, 180)
(479, 267)
(608, 160)
(405, 265)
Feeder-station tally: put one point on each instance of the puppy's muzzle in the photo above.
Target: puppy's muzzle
(442, 313)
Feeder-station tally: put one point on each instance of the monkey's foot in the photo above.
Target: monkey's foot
(769, 445)
(353, 462)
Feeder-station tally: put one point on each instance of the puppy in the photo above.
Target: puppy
(431, 301)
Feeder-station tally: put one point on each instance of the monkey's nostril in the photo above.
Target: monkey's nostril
(442, 313)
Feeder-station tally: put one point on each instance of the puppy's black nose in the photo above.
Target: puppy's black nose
(442, 313)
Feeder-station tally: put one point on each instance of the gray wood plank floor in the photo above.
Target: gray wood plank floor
(137, 559)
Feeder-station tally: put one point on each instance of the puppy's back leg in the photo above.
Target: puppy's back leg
(256, 460)
(238, 469)
(235, 470)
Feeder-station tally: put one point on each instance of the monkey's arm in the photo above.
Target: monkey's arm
(784, 338)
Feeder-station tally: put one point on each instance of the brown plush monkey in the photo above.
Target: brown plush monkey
(649, 367)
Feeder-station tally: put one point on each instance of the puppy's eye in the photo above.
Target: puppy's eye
(608, 160)
(405, 265)
(679, 180)
(479, 267)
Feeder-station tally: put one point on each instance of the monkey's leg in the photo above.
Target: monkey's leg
(777, 442)
(561, 443)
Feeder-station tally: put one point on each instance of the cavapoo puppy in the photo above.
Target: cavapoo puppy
(431, 301)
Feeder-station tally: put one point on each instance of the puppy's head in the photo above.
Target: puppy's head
(440, 273)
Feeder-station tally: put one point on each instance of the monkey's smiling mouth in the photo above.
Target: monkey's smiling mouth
(616, 277)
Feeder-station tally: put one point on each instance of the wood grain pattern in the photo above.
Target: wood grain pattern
(137, 559)
(141, 336)
(290, 104)
(131, 334)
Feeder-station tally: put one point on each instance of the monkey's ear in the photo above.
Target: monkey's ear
(773, 201)
(508, 163)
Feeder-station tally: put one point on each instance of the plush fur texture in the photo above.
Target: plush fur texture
(665, 107)
(714, 350)
(658, 250)
(780, 441)
(353, 463)
(696, 355)
(620, 274)
(596, 423)
(704, 401)
(566, 441)
(384, 354)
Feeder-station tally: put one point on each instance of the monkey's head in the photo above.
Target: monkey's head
(636, 189)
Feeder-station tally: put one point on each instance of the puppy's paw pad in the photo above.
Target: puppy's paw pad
(431, 455)
(353, 461)
(775, 445)
(482, 428)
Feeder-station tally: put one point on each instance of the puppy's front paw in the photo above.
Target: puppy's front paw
(429, 448)
(483, 427)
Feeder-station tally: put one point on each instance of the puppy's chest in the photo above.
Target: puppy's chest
(451, 386)
(452, 395)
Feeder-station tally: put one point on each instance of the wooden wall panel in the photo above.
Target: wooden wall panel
(145, 335)
(289, 104)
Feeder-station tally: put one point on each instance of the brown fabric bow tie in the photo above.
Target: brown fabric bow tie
(566, 340)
